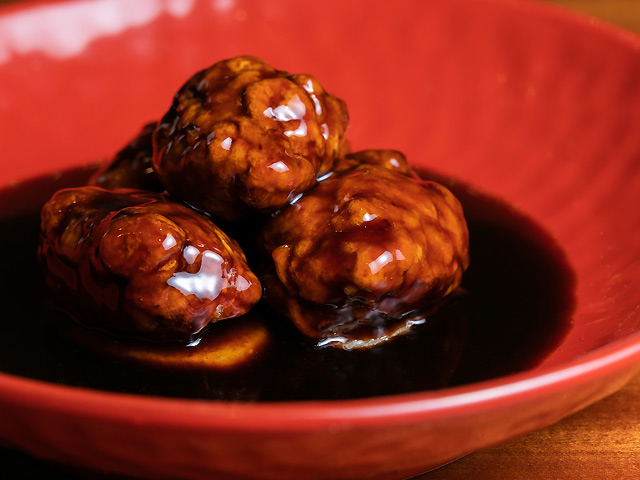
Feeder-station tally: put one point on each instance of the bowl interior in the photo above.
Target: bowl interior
(531, 108)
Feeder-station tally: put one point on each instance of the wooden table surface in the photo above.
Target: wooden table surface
(601, 442)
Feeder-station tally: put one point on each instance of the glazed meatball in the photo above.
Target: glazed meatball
(363, 249)
(243, 136)
(132, 167)
(136, 264)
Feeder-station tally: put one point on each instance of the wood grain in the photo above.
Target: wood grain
(624, 13)
(601, 442)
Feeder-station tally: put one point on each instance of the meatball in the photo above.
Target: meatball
(136, 264)
(243, 136)
(368, 245)
(132, 167)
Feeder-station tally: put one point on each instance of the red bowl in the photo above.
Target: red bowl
(527, 102)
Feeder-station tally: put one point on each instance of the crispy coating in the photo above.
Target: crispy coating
(365, 247)
(242, 135)
(134, 263)
(132, 167)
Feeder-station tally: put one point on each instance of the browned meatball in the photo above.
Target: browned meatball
(132, 167)
(365, 247)
(242, 135)
(134, 263)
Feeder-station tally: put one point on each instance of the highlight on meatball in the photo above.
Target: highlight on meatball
(135, 264)
(132, 167)
(353, 258)
(243, 136)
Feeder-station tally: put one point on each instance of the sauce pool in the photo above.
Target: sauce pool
(513, 309)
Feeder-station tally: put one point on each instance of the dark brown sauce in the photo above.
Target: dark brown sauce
(514, 310)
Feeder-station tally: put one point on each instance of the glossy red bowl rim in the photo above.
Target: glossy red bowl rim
(474, 398)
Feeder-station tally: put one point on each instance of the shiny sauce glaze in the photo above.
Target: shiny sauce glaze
(513, 310)
(137, 264)
(273, 132)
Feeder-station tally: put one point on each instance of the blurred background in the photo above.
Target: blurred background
(625, 13)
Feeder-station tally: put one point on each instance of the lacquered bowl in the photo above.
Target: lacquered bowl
(526, 102)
